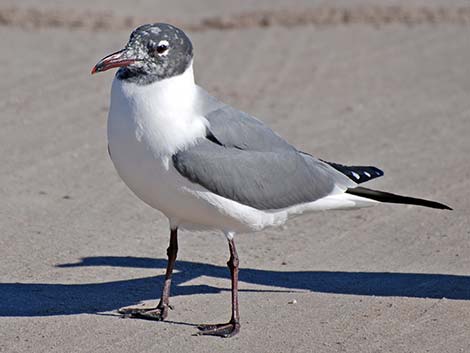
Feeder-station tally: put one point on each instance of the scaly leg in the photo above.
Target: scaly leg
(160, 312)
(232, 327)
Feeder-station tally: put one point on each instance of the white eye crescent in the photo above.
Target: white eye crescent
(162, 47)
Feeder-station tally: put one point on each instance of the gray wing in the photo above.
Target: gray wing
(234, 128)
(260, 179)
(244, 160)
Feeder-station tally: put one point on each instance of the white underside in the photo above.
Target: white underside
(148, 124)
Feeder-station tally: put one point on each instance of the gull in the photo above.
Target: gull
(206, 165)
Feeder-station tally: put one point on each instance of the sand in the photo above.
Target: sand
(76, 244)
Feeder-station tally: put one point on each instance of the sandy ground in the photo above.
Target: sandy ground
(76, 244)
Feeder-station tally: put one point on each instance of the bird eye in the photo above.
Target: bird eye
(162, 47)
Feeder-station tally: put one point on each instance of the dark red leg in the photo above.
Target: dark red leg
(233, 326)
(160, 312)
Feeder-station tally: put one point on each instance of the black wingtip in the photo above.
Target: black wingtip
(388, 197)
(433, 204)
(358, 174)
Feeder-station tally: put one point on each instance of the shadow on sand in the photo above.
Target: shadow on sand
(43, 299)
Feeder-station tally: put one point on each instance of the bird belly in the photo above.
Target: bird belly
(148, 171)
(142, 138)
(158, 184)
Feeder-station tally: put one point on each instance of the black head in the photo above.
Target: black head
(154, 52)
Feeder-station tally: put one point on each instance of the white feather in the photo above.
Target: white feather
(147, 124)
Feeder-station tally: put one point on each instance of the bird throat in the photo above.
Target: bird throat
(163, 115)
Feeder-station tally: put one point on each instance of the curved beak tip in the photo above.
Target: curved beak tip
(117, 59)
(98, 68)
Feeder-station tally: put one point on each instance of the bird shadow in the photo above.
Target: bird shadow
(45, 299)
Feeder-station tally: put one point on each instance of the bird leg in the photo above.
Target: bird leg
(232, 327)
(160, 312)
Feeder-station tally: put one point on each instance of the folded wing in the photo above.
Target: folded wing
(263, 180)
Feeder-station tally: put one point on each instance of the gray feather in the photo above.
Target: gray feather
(263, 180)
(245, 161)
(234, 128)
(237, 129)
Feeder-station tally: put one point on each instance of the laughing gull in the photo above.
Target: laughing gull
(207, 165)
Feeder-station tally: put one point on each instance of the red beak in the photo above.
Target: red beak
(117, 59)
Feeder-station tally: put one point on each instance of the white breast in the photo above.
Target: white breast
(161, 115)
(146, 126)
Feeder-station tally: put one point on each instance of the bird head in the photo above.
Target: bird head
(154, 52)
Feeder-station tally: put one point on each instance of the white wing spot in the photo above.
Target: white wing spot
(356, 175)
(367, 174)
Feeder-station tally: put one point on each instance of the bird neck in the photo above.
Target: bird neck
(164, 113)
(176, 93)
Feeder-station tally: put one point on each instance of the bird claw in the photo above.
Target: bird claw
(158, 313)
(226, 330)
